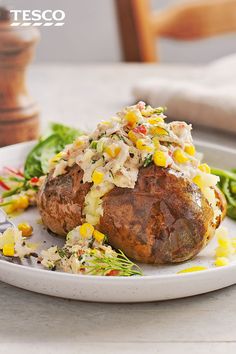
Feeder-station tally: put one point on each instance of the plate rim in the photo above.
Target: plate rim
(117, 279)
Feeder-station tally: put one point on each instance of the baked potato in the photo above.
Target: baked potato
(140, 181)
(164, 219)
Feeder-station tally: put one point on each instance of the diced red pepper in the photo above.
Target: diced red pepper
(4, 185)
(141, 129)
(113, 273)
(34, 180)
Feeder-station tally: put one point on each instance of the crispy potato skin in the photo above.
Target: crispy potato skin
(164, 219)
(222, 204)
(60, 201)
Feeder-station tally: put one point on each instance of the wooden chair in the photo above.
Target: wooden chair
(139, 25)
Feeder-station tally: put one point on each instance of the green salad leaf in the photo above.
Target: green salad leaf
(37, 161)
(227, 185)
(231, 212)
(68, 134)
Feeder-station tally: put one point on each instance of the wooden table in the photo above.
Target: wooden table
(33, 323)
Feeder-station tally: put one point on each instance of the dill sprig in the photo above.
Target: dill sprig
(121, 265)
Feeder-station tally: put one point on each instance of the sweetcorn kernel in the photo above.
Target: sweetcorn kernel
(224, 251)
(160, 159)
(224, 241)
(198, 181)
(117, 151)
(112, 151)
(221, 261)
(86, 230)
(57, 157)
(108, 150)
(9, 209)
(8, 250)
(179, 156)
(78, 143)
(190, 150)
(204, 168)
(233, 242)
(141, 145)
(158, 131)
(132, 136)
(97, 177)
(99, 236)
(23, 202)
(26, 229)
(225, 248)
(131, 117)
(156, 120)
(156, 142)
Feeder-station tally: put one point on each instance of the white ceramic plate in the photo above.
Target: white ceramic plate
(158, 282)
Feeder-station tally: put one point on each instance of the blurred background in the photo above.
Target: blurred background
(91, 34)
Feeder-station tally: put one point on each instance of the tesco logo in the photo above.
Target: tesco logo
(37, 18)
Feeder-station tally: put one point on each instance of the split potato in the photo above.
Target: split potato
(165, 218)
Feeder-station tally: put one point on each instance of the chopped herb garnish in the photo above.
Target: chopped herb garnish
(94, 144)
(147, 160)
(101, 135)
(61, 252)
(159, 110)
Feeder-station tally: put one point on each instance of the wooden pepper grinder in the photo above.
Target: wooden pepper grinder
(19, 115)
